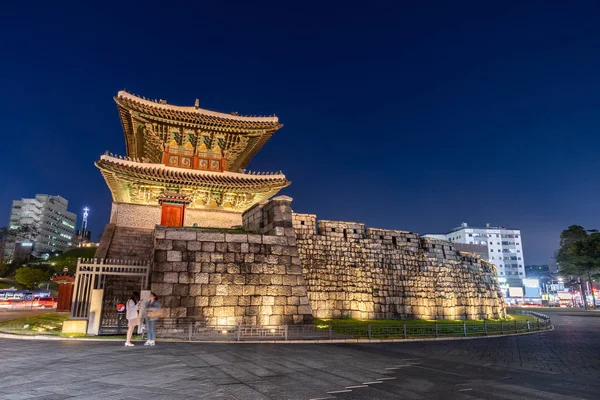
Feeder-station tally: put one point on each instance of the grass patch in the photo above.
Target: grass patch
(79, 252)
(43, 324)
(10, 285)
(361, 322)
(554, 309)
(226, 230)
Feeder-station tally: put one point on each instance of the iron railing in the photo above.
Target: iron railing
(91, 274)
(188, 329)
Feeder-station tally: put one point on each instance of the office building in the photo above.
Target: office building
(51, 227)
(504, 246)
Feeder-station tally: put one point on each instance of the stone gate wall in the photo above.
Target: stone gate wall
(228, 277)
(370, 273)
(285, 268)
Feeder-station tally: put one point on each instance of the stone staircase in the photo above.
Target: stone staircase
(123, 243)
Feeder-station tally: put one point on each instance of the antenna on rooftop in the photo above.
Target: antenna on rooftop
(84, 222)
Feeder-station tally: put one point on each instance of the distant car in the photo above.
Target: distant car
(5, 303)
(45, 302)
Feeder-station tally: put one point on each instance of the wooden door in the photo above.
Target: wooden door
(172, 214)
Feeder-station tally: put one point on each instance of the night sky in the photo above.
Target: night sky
(414, 117)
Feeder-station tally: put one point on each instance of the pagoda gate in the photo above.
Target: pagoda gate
(185, 166)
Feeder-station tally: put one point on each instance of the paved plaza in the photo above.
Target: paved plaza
(563, 364)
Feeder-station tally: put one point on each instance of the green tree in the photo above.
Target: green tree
(579, 256)
(30, 277)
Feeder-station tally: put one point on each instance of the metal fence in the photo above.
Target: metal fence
(91, 274)
(194, 330)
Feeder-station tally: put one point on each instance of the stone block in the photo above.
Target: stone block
(164, 245)
(179, 245)
(208, 267)
(275, 240)
(171, 277)
(215, 301)
(247, 289)
(200, 301)
(280, 300)
(290, 280)
(179, 266)
(268, 300)
(186, 277)
(180, 290)
(236, 237)
(224, 311)
(304, 309)
(244, 300)
(181, 234)
(234, 247)
(200, 277)
(162, 289)
(210, 236)
(195, 290)
(222, 290)
(254, 238)
(188, 302)
(194, 245)
(173, 255)
(230, 300)
(216, 257)
(221, 247)
(208, 246)
(235, 290)
(202, 257)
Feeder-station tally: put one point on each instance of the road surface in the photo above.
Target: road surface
(563, 364)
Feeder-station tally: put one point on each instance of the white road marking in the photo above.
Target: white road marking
(372, 383)
(323, 398)
(356, 386)
(386, 379)
(339, 391)
(464, 390)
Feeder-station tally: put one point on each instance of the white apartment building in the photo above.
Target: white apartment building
(52, 225)
(505, 248)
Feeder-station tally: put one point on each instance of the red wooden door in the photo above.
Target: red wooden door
(172, 214)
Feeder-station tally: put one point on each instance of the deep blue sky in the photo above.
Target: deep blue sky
(413, 117)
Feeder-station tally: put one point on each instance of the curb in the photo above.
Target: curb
(13, 336)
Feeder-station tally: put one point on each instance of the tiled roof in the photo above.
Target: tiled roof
(193, 114)
(241, 136)
(159, 173)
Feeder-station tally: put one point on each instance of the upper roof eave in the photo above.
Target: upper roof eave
(127, 100)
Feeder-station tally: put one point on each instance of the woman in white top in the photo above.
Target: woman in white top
(131, 314)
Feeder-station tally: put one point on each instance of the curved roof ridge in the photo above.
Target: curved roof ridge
(163, 167)
(122, 94)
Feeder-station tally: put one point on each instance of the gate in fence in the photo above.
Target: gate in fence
(117, 279)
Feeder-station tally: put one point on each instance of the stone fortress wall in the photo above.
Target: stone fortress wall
(371, 273)
(285, 268)
(230, 277)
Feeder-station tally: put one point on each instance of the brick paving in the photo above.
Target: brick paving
(564, 364)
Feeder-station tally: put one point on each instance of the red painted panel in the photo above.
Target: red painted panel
(172, 214)
(65, 294)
